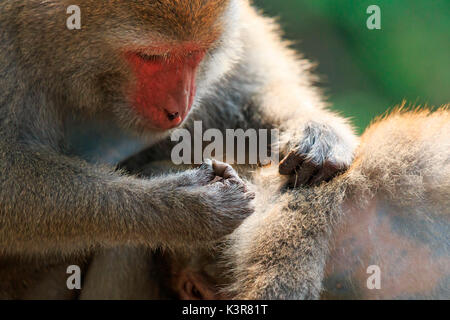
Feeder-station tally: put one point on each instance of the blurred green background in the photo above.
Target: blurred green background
(365, 72)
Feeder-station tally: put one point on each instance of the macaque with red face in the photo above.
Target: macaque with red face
(72, 102)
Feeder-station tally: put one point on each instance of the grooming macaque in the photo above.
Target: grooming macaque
(135, 71)
(391, 210)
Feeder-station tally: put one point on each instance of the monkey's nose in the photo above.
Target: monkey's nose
(172, 115)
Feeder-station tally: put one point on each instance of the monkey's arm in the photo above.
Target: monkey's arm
(49, 202)
(316, 142)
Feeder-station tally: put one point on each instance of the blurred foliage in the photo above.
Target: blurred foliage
(365, 72)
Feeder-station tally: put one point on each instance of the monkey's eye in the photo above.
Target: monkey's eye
(190, 289)
(151, 58)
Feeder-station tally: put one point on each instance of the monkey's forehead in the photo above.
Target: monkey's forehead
(184, 20)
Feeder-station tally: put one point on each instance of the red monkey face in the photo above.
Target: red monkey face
(165, 85)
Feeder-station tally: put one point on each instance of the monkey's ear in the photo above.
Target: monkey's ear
(193, 286)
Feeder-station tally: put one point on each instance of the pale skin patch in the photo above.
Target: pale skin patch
(410, 267)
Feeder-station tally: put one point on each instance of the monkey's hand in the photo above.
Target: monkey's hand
(217, 199)
(318, 154)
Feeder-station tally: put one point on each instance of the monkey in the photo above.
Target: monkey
(390, 210)
(134, 73)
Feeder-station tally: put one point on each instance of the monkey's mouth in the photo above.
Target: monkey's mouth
(165, 87)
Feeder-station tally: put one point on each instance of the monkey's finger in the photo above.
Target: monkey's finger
(328, 172)
(216, 179)
(305, 172)
(207, 172)
(237, 182)
(207, 164)
(250, 195)
(290, 162)
(224, 170)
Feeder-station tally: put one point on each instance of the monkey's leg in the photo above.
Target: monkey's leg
(39, 277)
(123, 274)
